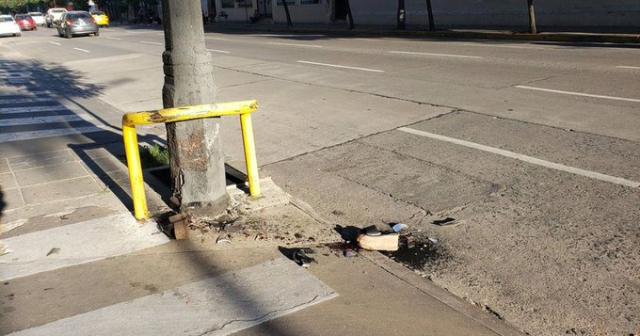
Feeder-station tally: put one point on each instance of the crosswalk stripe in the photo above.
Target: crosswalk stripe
(45, 120)
(26, 93)
(219, 305)
(6, 101)
(27, 109)
(77, 244)
(31, 135)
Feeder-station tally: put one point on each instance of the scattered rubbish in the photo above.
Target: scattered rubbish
(6, 227)
(433, 240)
(4, 250)
(53, 251)
(301, 258)
(337, 212)
(350, 253)
(444, 222)
(179, 223)
(383, 242)
(372, 231)
(399, 227)
(232, 228)
(223, 239)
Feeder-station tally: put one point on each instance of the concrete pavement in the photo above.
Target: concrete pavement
(331, 130)
(75, 262)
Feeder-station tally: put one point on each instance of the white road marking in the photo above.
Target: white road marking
(45, 120)
(31, 135)
(341, 66)
(628, 67)
(112, 38)
(78, 243)
(55, 43)
(634, 100)
(215, 306)
(525, 158)
(219, 51)
(152, 43)
(502, 46)
(217, 38)
(116, 58)
(30, 109)
(83, 50)
(433, 54)
(4, 101)
(296, 44)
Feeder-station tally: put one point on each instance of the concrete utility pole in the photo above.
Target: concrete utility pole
(533, 29)
(432, 25)
(197, 160)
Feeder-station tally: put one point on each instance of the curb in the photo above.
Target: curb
(443, 34)
(496, 325)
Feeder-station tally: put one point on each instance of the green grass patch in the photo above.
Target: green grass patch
(155, 156)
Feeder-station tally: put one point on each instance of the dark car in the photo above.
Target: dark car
(77, 23)
(25, 22)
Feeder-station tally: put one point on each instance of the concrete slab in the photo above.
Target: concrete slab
(50, 173)
(40, 159)
(75, 244)
(4, 166)
(12, 199)
(216, 306)
(61, 190)
(7, 181)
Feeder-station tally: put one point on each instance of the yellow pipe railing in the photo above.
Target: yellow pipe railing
(130, 137)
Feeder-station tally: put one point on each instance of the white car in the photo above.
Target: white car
(8, 26)
(38, 18)
(53, 16)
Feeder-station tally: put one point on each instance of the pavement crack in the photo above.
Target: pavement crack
(259, 318)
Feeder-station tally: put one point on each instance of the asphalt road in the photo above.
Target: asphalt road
(531, 147)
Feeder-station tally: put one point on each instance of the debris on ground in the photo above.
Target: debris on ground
(372, 231)
(53, 251)
(223, 239)
(4, 250)
(399, 227)
(444, 222)
(349, 252)
(301, 258)
(180, 223)
(382, 242)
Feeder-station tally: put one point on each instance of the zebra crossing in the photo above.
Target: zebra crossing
(29, 112)
(73, 261)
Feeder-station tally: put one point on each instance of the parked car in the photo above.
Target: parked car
(53, 16)
(38, 18)
(102, 19)
(77, 23)
(8, 26)
(25, 22)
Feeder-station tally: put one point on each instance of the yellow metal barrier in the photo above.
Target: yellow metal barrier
(131, 120)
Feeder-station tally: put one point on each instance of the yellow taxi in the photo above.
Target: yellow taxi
(101, 18)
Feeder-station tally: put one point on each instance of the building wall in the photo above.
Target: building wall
(462, 13)
(494, 13)
(303, 13)
(237, 13)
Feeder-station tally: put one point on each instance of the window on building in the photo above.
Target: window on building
(309, 2)
(244, 3)
(289, 2)
(228, 3)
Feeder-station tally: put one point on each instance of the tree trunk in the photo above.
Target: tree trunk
(349, 15)
(401, 15)
(196, 157)
(432, 25)
(533, 29)
(286, 11)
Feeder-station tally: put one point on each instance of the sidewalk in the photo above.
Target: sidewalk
(77, 263)
(458, 34)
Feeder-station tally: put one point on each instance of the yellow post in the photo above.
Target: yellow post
(136, 180)
(250, 154)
